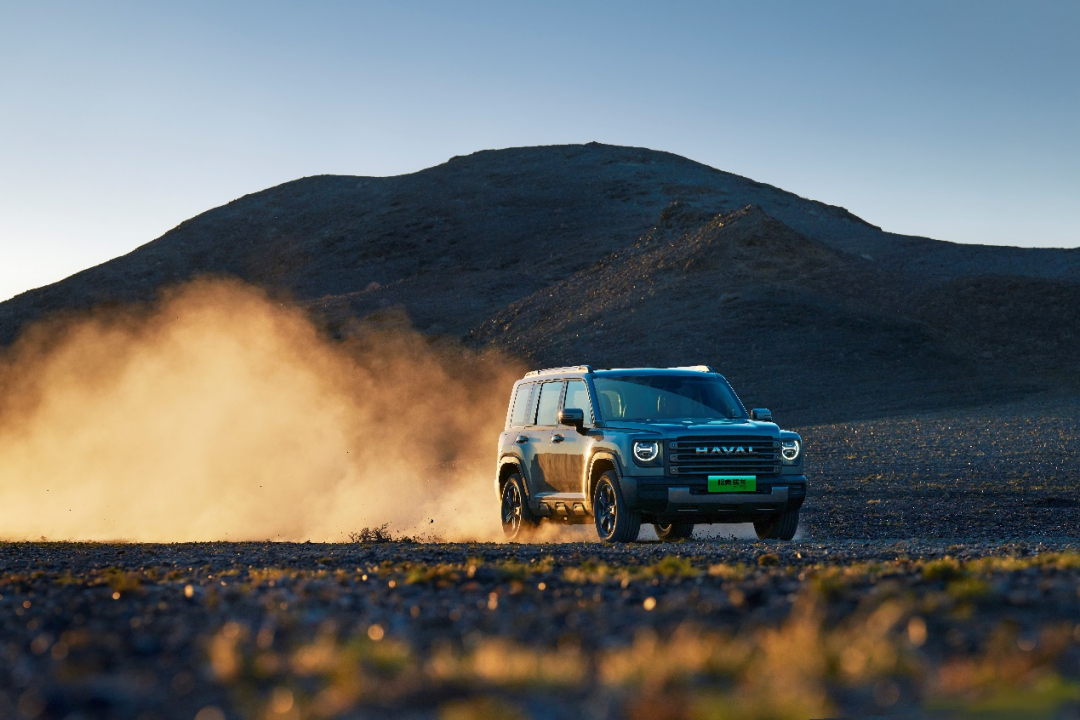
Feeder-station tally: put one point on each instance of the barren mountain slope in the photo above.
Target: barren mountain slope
(791, 321)
(456, 243)
(614, 255)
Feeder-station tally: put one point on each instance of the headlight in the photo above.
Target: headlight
(646, 450)
(790, 449)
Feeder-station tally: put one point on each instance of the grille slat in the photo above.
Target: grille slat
(705, 455)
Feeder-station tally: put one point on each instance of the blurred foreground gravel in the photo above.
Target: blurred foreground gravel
(650, 630)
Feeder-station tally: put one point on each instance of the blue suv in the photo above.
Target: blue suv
(669, 446)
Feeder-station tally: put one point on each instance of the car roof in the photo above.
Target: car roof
(580, 371)
(638, 372)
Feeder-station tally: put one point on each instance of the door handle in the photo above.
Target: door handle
(557, 438)
(522, 439)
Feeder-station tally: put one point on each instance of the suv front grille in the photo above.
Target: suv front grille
(737, 454)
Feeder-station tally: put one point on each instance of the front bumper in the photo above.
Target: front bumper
(689, 500)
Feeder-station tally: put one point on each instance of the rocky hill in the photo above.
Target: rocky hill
(623, 256)
(830, 333)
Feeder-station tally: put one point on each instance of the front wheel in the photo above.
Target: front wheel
(781, 526)
(674, 531)
(517, 519)
(613, 519)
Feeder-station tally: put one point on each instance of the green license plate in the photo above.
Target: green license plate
(733, 483)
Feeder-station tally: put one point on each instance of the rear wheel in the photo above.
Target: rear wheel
(781, 526)
(613, 519)
(674, 531)
(517, 519)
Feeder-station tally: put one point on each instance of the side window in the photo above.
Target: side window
(577, 396)
(549, 403)
(523, 405)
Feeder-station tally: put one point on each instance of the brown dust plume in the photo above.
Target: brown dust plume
(219, 414)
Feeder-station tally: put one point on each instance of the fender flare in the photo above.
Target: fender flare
(516, 461)
(607, 455)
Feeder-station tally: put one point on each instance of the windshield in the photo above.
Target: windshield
(667, 397)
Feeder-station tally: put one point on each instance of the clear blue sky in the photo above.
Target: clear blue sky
(118, 120)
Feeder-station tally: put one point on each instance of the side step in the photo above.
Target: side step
(559, 505)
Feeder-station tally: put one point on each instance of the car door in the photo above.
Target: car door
(526, 436)
(567, 446)
(539, 458)
(544, 461)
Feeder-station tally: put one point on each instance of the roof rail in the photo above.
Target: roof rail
(552, 371)
(699, 368)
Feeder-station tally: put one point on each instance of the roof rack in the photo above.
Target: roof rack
(552, 371)
(699, 368)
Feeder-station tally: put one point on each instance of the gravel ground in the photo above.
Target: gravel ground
(938, 571)
(1006, 472)
(691, 629)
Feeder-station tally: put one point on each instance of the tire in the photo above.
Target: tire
(614, 521)
(518, 521)
(781, 526)
(674, 531)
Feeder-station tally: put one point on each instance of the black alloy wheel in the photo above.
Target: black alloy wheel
(674, 531)
(613, 519)
(517, 518)
(781, 526)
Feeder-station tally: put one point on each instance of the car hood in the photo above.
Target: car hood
(712, 427)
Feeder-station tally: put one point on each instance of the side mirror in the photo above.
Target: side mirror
(575, 417)
(761, 415)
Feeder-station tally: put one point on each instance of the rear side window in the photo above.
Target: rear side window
(549, 403)
(524, 402)
(577, 396)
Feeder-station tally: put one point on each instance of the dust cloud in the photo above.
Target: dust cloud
(220, 414)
